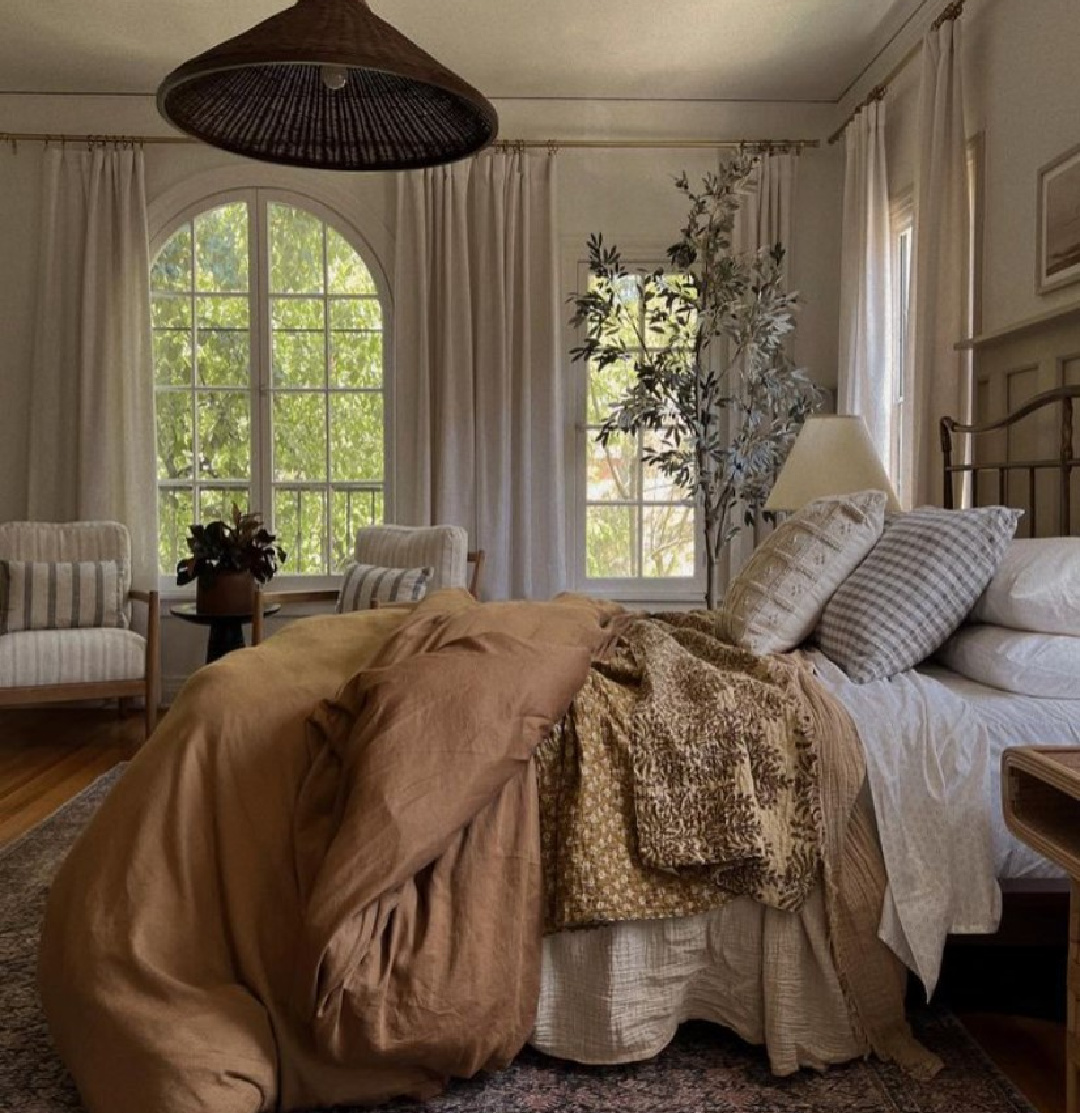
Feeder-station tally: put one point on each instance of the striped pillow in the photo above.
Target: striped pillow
(367, 582)
(62, 595)
(914, 588)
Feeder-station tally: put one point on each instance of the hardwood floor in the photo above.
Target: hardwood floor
(48, 756)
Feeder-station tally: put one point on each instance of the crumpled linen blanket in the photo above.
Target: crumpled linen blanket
(276, 910)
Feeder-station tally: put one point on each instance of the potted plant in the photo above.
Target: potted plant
(713, 384)
(226, 560)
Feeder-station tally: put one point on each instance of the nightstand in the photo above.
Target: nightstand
(1041, 797)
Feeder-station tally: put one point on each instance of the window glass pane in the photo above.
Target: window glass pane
(298, 313)
(221, 248)
(173, 268)
(356, 313)
(174, 435)
(299, 436)
(356, 436)
(610, 541)
(296, 251)
(222, 312)
(350, 511)
(224, 358)
(612, 469)
(299, 359)
(356, 359)
(347, 271)
(172, 357)
(656, 485)
(224, 435)
(300, 525)
(668, 541)
(175, 514)
(606, 387)
(216, 503)
(171, 311)
(627, 326)
(675, 299)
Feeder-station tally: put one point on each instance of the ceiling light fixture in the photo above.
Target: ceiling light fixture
(327, 84)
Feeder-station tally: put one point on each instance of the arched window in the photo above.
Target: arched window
(269, 379)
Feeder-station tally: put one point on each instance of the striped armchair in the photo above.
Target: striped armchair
(442, 548)
(58, 663)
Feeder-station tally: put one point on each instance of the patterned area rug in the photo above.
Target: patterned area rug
(705, 1070)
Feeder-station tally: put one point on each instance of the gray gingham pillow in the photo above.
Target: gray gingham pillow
(914, 588)
(365, 583)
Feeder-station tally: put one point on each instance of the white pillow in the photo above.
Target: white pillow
(1036, 587)
(1043, 665)
(775, 602)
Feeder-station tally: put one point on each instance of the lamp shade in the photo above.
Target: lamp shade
(831, 456)
(327, 84)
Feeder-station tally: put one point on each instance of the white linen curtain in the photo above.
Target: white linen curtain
(764, 220)
(92, 441)
(867, 339)
(937, 378)
(478, 397)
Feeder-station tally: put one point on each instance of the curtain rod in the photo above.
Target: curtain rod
(952, 11)
(15, 137)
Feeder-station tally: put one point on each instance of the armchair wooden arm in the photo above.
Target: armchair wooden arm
(152, 667)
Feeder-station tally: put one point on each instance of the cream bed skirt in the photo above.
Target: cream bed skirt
(616, 994)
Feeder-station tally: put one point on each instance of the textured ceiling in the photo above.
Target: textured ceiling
(801, 50)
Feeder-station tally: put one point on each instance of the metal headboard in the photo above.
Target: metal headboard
(1062, 464)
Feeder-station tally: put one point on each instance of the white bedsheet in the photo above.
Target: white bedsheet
(933, 743)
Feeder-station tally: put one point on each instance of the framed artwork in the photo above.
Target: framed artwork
(1058, 257)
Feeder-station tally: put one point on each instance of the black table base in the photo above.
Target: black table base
(226, 635)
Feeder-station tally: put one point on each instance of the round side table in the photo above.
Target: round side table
(226, 630)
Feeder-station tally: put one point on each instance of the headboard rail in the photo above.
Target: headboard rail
(1061, 465)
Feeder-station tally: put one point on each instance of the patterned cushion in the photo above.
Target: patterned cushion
(776, 600)
(367, 582)
(914, 589)
(62, 595)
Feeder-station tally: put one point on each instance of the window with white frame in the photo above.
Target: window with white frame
(269, 378)
(637, 531)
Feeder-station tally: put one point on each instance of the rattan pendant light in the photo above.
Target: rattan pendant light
(328, 84)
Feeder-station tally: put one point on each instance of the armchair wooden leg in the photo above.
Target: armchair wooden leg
(153, 663)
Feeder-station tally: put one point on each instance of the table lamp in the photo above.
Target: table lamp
(831, 456)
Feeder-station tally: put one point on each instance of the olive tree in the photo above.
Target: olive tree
(713, 384)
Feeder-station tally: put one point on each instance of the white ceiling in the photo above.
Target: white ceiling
(799, 50)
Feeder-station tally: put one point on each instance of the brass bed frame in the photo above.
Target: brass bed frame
(1062, 465)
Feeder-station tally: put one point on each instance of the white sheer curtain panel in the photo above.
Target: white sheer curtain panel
(867, 340)
(937, 378)
(478, 398)
(765, 219)
(92, 438)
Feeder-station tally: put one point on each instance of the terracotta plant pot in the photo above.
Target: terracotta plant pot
(225, 593)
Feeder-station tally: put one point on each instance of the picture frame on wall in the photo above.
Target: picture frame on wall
(1058, 256)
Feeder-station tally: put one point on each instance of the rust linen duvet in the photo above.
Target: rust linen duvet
(280, 910)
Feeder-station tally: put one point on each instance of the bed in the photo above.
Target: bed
(190, 903)
(618, 993)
